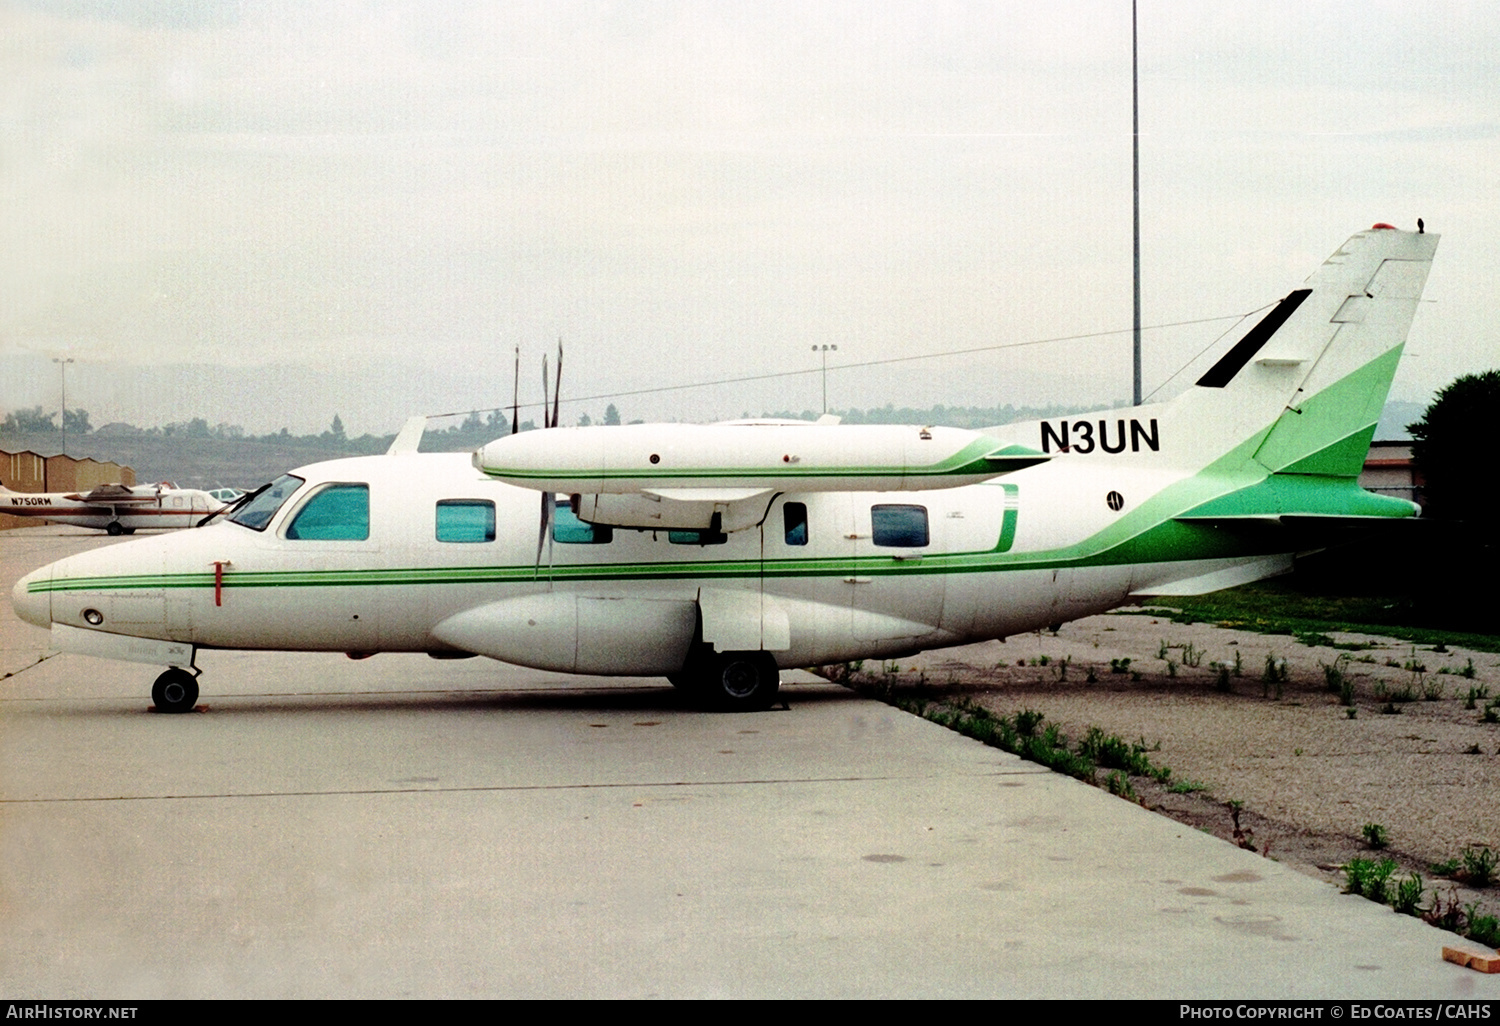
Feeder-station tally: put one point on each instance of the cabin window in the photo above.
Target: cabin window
(899, 527)
(465, 520)
(569, 530)
(257, 513)
(795, 515)
(697, 537)
(340, 512)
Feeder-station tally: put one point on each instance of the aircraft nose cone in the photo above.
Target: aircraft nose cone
(35, 607)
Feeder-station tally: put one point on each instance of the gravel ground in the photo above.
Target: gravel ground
(1309, 777)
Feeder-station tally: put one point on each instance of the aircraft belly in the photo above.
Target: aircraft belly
(613, 636)
(998, 604)
(1087, 590)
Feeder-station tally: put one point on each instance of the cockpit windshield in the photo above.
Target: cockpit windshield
(258, 512)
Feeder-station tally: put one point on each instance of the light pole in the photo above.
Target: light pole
(1135, 192)
(824, 350)
(63, 365)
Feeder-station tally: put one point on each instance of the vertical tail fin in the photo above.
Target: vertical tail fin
(1345, 352)
(1299, 394)
(1311, 378)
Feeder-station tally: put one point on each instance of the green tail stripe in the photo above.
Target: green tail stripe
(1322, 428)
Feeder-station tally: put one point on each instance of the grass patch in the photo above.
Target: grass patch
(1269, 607)
(1028, 735)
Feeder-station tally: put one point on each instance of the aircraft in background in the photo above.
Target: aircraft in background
(715, 555)
(227, 496)
(115, 508)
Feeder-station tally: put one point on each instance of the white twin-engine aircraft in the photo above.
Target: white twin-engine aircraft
(715, 555)
(114, 508)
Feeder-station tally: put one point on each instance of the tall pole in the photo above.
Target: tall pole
(824, 350)
(1135, 188)
(63, 365)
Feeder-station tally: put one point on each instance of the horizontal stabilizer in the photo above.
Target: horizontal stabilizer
(1309, 520)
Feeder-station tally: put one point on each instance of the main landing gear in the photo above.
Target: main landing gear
(731, 681)
(175, 691)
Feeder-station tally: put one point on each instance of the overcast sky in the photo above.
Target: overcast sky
(267, 213)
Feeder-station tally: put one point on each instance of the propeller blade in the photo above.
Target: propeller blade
(557, 391)
(515, 401)
(544, 391)
(544, 535)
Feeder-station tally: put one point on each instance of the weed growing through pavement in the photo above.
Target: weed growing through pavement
(1368, 878)
(1028, 735)
(1408, 897)
(1118, 784)
(1484, 929)
(1221, 681)
(1445, 912)
(1336, 678)
(1376, 881)
(1243, 836)
(1375, 836)
(1479, 866)
(1274, 676)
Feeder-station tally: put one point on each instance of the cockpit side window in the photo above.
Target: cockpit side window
(465, 520)
(339, 512)
(257, 513)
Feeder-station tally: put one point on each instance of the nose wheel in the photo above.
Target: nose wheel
(175, 691)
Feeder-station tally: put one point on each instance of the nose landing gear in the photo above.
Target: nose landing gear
(175, 691)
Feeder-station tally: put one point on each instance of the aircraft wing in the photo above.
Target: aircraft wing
(724, 476)
(112, 495)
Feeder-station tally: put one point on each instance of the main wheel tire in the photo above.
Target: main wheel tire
(742, 681)
(175, 691)
(113, 529)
